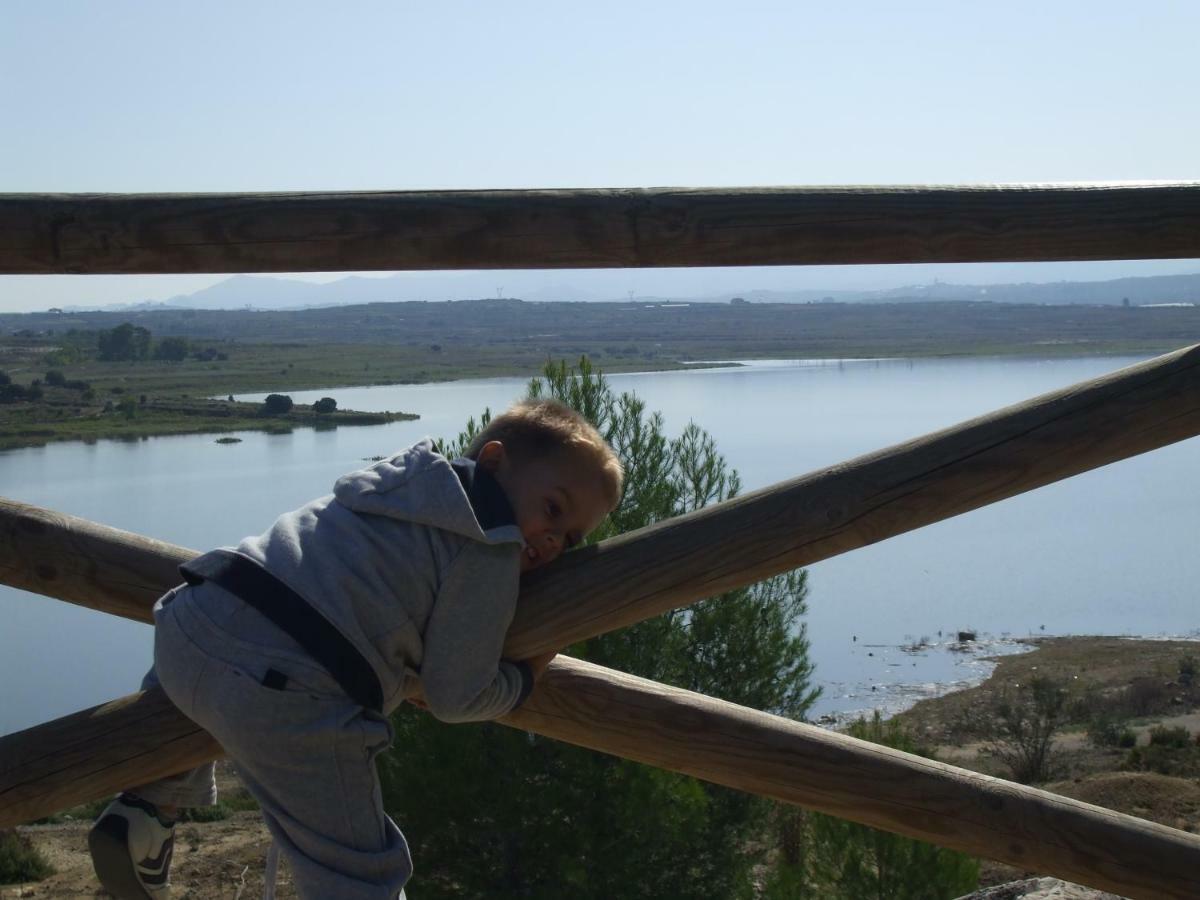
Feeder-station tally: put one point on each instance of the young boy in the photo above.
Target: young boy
(292, 650)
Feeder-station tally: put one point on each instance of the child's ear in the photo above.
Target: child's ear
(491, 455)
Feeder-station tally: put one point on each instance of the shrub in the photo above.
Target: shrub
(1166, 759)
(325, 405)
(55, 378)
(1091, 705)
(277, 404)
(125, 342)
(173, 349)
(20, 860)
(1026, 717)
(1105, 731)
(12, 393)
(1146, 696)
(1162, 736)
(238, 800)
(1127, 738)
(4, 379)
(128, 407)
(1187, 668)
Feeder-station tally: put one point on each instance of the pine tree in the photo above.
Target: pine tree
(490, 811)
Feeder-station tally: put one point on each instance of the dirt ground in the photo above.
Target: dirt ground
(1100, 673)
(220, 860)
(224, 859)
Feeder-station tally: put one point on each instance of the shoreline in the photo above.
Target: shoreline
(183, 413)
(980, 660)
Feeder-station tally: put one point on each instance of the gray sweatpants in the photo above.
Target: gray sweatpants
(305, 751)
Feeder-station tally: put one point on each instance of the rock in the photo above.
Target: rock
(1040, 889)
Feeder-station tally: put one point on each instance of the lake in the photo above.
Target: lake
(1109, 552)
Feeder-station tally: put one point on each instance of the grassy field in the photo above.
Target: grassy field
(247, 352)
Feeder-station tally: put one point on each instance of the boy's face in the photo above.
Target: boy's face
(558, 501)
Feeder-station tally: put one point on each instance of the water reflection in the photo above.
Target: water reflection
(1111, 551)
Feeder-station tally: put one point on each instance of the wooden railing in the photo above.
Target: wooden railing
(132, 233)
(638, 575)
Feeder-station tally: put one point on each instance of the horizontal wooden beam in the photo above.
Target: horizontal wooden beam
(143, 736)
(556, 229)
(644, 573)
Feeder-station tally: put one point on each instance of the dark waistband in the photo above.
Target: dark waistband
(289, 611)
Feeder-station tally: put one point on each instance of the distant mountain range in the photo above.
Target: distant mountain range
(260, 292)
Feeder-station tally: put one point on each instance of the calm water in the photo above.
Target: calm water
(1111, 552)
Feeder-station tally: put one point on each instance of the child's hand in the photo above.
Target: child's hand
(539, 663)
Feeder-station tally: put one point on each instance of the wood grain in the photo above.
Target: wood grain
(84, 562)
(97, 752)
(603, 228)
(751, 751)
(141, 737)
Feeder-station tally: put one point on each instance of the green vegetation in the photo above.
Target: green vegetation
(277, 405)
(491, 811)
(827, 857)
(1026, 717)
(138, 395)
(1171, 751)
(60, 365)
(237, 800)
(20, 861)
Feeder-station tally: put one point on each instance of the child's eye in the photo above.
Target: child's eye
(553, 509)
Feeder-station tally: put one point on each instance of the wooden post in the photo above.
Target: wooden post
(647, 572)
(142, 737)
(555, 229)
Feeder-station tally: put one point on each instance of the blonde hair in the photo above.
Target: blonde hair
(534, 429)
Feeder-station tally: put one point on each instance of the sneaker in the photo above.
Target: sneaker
(131, 848)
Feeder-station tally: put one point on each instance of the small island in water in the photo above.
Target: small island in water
(87, 375)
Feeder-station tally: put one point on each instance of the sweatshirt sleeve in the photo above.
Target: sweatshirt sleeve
(463, 677)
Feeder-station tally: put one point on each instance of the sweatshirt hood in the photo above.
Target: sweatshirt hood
(418, 485)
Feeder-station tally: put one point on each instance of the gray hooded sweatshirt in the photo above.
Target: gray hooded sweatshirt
(396, 560)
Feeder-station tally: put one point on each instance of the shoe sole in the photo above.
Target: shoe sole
(109, 845)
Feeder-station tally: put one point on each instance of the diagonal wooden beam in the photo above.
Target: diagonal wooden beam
(556, 229)
(1051, 437)
(644, 573)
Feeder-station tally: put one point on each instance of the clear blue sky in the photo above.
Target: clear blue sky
(261, 96)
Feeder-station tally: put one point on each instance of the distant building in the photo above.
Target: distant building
(737, 300)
